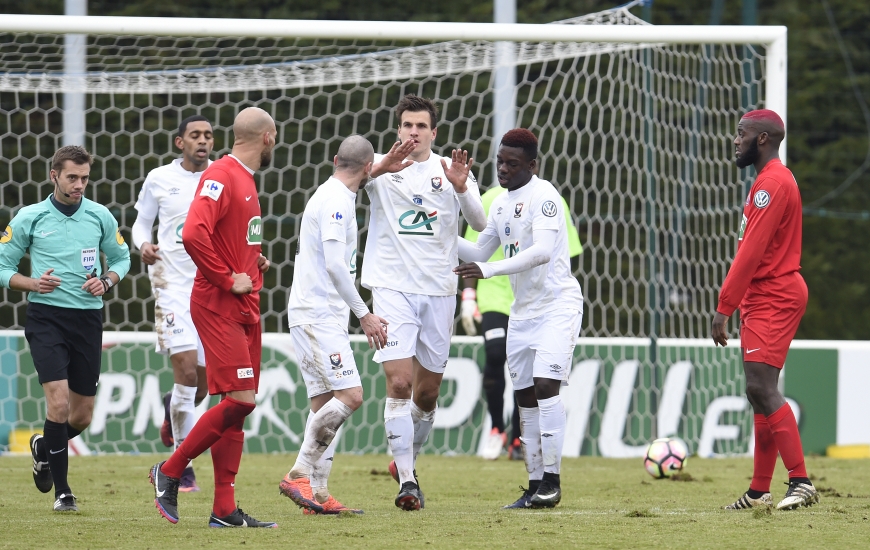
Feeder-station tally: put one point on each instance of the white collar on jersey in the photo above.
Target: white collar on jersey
(242, 164)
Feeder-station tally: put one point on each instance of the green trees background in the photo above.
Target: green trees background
(828, 121)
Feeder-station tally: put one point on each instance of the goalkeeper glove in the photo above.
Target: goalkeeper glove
(468, 311)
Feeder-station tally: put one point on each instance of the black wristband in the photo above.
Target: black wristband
(107, 283)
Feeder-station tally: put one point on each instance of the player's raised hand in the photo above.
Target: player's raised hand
(47, 282)
(149, 253)
(242, 284)
(469, 271)
(394, 160)
(375, 329)
(263, 264)
(720, 337)
(457, 172)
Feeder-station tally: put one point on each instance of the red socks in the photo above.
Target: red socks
(226, 454)
(788, 440)
(206, 432)
(765, 456)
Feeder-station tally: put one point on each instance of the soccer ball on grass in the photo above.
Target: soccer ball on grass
(665, 457)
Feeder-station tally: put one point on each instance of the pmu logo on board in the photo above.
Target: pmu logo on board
(418, 222)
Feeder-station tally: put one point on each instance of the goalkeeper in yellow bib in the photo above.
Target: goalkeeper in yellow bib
(412, 248)
(528, 223)
(64, 234)
(488, 302)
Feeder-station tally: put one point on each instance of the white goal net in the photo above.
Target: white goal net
(635, 130)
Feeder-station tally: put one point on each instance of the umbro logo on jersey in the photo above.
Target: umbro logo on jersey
(555, 368)
(761, 199)
(396, 178)
(499, 210)
(174, 191)
(518, 210)
(549, 209)
(437, 185)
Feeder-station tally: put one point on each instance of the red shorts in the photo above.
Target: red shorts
(769, 317)
(232, 351)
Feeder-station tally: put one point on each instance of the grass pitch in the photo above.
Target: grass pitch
(606, 503)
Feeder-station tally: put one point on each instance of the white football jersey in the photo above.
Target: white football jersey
(412, 241)
(329, 215)
(512, 218)
(166, 195)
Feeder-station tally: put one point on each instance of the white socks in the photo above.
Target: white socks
(181, 411)
(530, 430)
(552, 425)
(423, 422)
(400, 436)
(319, 433)
(320, 471)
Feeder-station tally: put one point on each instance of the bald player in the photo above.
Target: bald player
(322, 296)
(223, 236)
(765, 284)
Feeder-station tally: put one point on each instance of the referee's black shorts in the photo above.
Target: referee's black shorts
(66, 344)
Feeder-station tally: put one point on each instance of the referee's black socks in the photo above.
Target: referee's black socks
(56, 451)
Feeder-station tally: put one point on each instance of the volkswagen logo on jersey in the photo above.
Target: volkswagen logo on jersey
(335, 359)
(518, 210)
(418, 200)
(337, 216)
(549, 209)
(761, 199)
(507, 230)
(170, 319)
(436, 184)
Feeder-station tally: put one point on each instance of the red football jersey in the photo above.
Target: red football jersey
(223, 234)
(769, 243)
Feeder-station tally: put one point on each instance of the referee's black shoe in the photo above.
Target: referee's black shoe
(238, 519)
(41, 471)
(549, 492)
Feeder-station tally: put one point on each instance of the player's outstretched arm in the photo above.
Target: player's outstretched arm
(538, 254)
(478, 251)
(394, 160)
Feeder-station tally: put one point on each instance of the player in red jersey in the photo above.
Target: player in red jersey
(765, 284)
(223, 235)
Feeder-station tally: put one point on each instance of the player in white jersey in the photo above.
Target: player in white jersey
(410, 253)
(322, 295)
(528, 222)
(167, 194)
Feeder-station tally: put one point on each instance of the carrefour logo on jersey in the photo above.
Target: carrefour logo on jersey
(418, 222)
(255, 231)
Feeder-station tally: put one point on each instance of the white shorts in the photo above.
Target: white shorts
(420, 326)
(542, 347)
(325, 358)
(175, 330)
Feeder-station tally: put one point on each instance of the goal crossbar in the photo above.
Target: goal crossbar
(394, 30)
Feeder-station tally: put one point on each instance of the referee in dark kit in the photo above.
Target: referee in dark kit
(64, 234)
